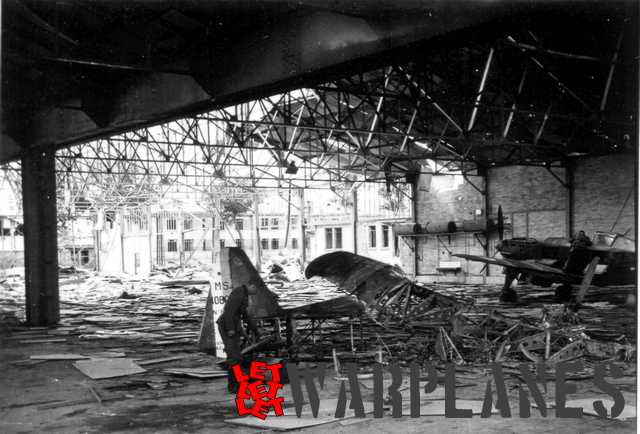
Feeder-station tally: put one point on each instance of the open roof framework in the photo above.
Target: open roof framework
(529, 96)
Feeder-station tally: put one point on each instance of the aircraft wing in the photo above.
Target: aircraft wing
(529, 266)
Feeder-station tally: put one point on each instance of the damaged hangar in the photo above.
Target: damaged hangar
(416, 182)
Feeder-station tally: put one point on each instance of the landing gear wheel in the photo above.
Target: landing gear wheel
(508, 296)
(563, 293)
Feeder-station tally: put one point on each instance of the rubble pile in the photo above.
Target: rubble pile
(466, 324)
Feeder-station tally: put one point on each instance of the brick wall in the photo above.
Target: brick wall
(535, 202)
(602, 186)
(442, 199)
(445, 198)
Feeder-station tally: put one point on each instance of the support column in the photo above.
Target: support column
(415, 184)
(354, 197)
(40, 238)
(255, 222)
(303, 230)
(570, 198)
(484, 172)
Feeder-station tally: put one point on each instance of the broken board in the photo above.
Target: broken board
(437, 407)
(62, 356)
(159, 360)
(629, 411)
(42, 341)
(197, 372)
(289, 421)
(108, 367)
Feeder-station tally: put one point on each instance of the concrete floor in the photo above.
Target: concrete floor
(54, 397)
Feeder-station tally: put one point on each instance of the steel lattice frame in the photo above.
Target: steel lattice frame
(507, 98)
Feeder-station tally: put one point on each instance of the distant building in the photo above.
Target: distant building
(11, 242)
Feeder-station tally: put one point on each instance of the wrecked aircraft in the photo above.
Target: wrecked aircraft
(609, 260)
(342, 285)
(361, 284)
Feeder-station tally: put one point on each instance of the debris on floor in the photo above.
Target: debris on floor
(145, 347)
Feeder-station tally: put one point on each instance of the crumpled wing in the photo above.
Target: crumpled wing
(530, 266)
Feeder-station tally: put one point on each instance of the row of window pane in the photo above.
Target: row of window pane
(333, 238)
(275, 243)
(187, 225)
(275, 222)
(265, 223)
(373, 238)
(172, 245)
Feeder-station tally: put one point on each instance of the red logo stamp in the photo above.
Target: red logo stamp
(255, 387)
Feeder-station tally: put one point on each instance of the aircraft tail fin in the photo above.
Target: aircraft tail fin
(236, 267)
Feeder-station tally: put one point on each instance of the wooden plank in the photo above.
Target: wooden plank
(586, 280)
(282, 423)
(197, 372)
(290, 421)
(42, 341)
(159, 360)
(437, 407)
(61, 356)
(628, 412)
(108, 368)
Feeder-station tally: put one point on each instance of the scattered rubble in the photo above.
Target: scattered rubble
(150, 340)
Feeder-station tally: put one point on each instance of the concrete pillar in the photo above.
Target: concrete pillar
(40, 238)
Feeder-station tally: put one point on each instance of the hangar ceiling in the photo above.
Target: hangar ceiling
(481, 82)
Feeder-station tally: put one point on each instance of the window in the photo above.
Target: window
(333, 238)
(328, 238)
(188, 245)
(239, 224)
(84, 256)
(136, 262)
(385, 235)
(275, 244)
(294, 221)
(239, 243)
(188, 223)
(264, 243)
(172, 246)
(372, 237)
(274, 223)
(221, 244)
(110, 217)
(204, 223)
(264, 223)
(221, 224)
(294, 243)
(205, 245)
(171, 224)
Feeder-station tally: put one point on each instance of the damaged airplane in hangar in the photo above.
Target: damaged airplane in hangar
(609, 260)
(339, 285)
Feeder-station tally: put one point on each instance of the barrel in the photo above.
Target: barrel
(441, 227)
(475, 225)
(406, 228)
